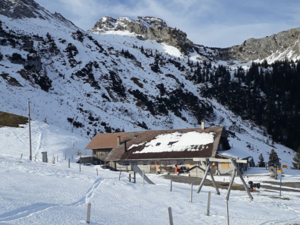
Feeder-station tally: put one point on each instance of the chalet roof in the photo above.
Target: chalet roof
(159, 144)
(107, 140)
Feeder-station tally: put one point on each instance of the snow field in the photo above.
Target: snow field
(45, 193)
(41, 193)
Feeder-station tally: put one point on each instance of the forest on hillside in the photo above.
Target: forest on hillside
(268, 95)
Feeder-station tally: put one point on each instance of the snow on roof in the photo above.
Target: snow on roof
(177, 142)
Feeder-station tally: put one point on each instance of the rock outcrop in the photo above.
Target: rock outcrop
(146, 28)
(277, 46)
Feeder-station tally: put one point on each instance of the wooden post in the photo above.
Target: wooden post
(280, 184)
(208, 203)
(170, 216)
(65, 156)
(79, 167)
(57, 159)
(69, 163)
(205, 175)
(53, 159)
(134, 177)
(130, 177)
(242, 179)
(21, 156)
(72, 156)
(227, 212)
(120, 174)
(191, 192)
(88, 219)
(214, 183)
(97, 171)
(170, 185)
(30, 147)
(143, 177)
(230, 185)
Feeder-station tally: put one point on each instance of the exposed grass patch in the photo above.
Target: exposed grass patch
(11, 120)
(285, 198)
(224, 185)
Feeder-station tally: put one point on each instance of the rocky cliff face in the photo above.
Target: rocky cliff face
(274, 47)
(20, 9)
(146, 28)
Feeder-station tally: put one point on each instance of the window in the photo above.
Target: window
(152, 162)
(192, 162)
(225, 165)
(135, 135)
(158, 144)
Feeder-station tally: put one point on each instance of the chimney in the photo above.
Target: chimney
(202, 124)
(118, 140)
(125, 148)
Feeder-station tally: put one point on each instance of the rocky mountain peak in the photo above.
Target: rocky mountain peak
(145, 28)
(151, 21)
(19, 9)
(275, 47)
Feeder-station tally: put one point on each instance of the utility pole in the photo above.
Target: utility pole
(30, 157)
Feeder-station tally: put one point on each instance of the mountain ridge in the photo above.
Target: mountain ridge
(90, 83)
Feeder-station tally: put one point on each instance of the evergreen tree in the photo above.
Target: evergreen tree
(251, 163)
(296, 160)
(273, 159)
(261, 162)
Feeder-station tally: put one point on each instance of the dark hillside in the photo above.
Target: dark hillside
(11, 120)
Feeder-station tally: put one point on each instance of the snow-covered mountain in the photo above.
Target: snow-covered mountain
(122, 75)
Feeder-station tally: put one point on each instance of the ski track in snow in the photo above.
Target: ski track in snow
(89, 194)
(38, 146)
(27, 211)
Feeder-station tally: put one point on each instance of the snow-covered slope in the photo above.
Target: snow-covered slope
(89, 83)
(45, 193)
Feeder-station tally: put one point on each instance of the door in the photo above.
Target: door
(152, 166)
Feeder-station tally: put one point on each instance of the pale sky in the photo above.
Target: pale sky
(213, 23)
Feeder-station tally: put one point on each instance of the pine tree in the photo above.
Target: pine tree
(251, 163)
(296, 160)
(261, 162)
(273, 159)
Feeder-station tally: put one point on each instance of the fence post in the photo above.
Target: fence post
(53, 159)
(88, 213)
(57, 159)
(72, 156)
(120, 175)
(170, 216)
(97, 171)
(69, 163)
(208, 203)
(191, 192)
(227, 212)
(65, 156)
(170, 185)
(79, 167)
(35, 157)
(21, 156)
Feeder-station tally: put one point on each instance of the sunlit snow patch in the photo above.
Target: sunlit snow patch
(177, 142)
